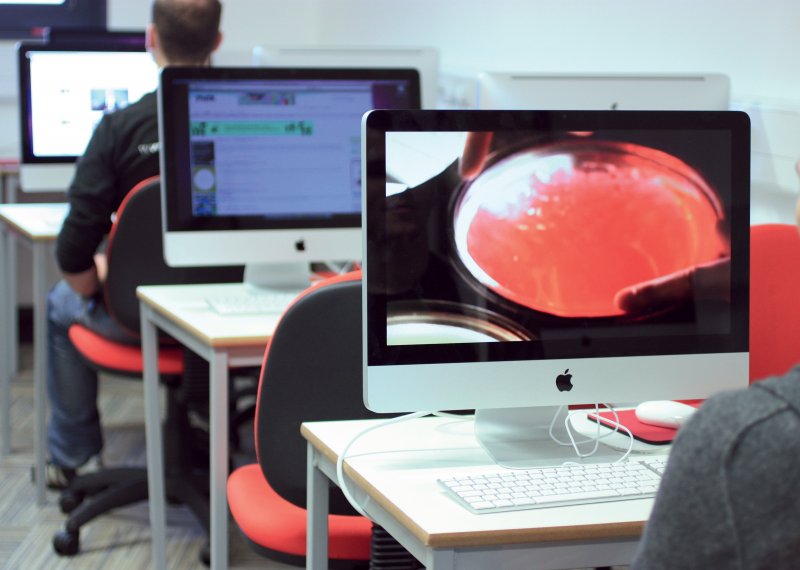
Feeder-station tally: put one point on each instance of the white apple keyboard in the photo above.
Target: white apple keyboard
(569, 484)
(252, 303)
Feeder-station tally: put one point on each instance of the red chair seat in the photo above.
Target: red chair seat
(250, 496)
(126, 358)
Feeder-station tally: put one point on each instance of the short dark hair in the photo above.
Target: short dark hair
(187, 29)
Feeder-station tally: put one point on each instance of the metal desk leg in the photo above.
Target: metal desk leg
(317, 513)
(40, 365)
(155, 450)
(13, 317)
(440, 560)
(6, 368)
(218, 401)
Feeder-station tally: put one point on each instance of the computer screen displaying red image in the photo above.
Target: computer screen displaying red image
(553, 240)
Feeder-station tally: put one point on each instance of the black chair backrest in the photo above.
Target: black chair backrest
(312, 372)
(136, 256)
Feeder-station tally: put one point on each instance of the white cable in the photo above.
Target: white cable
(340, 461)
(586, 440)
(568, 427)
(617, 427)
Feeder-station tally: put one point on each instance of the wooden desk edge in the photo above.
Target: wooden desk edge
(229, 342)
(16, 228)
(572, 533)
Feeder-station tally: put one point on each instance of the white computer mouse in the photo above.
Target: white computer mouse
(664, 413)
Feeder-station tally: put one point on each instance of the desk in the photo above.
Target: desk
(224, 341)
(37, 226)
(393, 473)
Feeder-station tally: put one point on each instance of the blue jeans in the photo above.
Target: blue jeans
(74, 434)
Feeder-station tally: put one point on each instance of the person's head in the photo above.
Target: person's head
(184, 32)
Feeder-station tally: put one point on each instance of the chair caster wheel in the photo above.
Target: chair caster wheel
(205, 554)
(69, 501)
(66, 543)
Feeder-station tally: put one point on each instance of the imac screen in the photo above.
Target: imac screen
(65, 89)
(505, 247)
(262, 149)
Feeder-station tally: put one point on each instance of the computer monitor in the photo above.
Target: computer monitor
(423, 59)
(65, 88)
(83, 36)
(640, 91)
(517, 261)
(262, 166)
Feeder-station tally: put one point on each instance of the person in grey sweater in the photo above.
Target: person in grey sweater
(730, 496)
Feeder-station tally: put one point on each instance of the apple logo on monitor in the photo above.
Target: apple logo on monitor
(300, 245)
(564, 381)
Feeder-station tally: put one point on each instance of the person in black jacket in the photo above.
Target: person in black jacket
(122, 152)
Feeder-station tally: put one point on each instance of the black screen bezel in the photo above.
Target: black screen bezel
(584, 345)
(173, 107)
(124, 42)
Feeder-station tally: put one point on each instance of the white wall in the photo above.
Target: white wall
(754, 42)
(750, 40)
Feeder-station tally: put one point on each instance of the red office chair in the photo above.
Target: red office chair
(774, 302)
(311, 372)
(135, 257)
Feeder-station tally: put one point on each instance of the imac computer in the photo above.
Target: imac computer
(261, 167)
(641, 91)
(517, 262)
(65, 88)
(423, 59)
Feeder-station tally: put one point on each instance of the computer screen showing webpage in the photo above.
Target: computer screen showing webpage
(70, 91)
(280, 148)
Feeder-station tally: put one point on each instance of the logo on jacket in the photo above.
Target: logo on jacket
(148, 149)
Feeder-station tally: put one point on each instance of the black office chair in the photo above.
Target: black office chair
(311, 372)
(135, 257)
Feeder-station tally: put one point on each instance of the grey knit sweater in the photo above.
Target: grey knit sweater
(730, 497)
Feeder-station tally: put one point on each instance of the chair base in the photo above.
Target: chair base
(94, 494)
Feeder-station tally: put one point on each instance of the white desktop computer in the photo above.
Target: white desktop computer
(604, 91)
(65, 88)
(262, 166)
(424, 59)
(581, 257)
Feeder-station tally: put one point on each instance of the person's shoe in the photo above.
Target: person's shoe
(59, 478)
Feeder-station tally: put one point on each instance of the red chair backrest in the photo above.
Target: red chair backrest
(774, 299)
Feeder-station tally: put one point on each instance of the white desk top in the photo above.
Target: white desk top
(186, 305)
(398, 465)
(35, 221)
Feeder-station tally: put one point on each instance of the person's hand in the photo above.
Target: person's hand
(101, 263)
(707, 281)
(476, 149)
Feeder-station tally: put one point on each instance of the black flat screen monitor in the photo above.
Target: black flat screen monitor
(65, 88)
(262, 166)
(526, 260)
